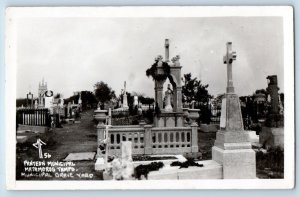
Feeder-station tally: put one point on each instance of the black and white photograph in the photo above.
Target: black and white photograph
(150, 97)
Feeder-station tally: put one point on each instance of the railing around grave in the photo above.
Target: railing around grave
(148, 140)
(135, 135)
(169, 140)
(34, 117)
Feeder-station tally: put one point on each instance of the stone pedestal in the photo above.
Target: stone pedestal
(233, 151)
(232, 147)
(237, 160)
(271, 137)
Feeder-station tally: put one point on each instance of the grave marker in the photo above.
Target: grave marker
(232, 147)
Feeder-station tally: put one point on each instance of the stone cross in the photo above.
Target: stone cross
(124, 87)
(228, 59)
(38, 145)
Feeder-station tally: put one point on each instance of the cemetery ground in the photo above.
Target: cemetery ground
(82, 137)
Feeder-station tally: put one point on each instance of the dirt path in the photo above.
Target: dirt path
(72, 138)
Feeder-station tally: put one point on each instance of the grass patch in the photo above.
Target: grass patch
(271, 163)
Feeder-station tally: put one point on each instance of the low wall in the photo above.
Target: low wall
(147, 139)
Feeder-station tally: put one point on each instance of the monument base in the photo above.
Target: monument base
(271, 137)
(237, 163)
(169, 119)
(233, 150)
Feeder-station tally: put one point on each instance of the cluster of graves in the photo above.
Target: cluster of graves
(45, 112)
(175, 132)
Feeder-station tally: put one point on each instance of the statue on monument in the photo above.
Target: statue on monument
(168, 95)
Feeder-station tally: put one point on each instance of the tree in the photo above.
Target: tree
(88, 99)
(103, 92)
(21, 101)
(193, 90)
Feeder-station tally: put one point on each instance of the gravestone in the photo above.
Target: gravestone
(232, 147)
(136, 101)
(127, 165)
(125, 102)
(35, 104)
(272, 133)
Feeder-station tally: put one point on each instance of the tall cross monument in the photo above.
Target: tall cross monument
(232, 147)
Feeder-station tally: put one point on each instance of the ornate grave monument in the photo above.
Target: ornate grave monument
(272, 133)
(171, 115)
(232, 147)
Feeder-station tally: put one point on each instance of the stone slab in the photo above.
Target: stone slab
(163, 175)
(22, 139)
(84, 156)
(35, 129)
(23, 131)
(210, 170)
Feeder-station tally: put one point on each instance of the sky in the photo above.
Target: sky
(72, 54)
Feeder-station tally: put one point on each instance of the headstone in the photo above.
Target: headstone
(79, 99)
(48, 102)
(125, 103)
(69, 110)
(272, 133)
(35, 104)
(128, 168)
(126, 151)
(232, 147)
(136, 101)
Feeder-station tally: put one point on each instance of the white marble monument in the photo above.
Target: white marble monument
(232, 147)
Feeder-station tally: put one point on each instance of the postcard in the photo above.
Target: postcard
(149, 97)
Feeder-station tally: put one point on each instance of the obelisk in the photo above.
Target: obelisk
(125, 103)
(232, 147)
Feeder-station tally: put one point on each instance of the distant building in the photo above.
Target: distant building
(41, 93)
